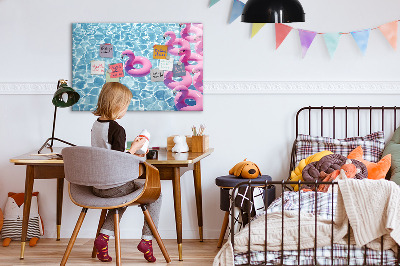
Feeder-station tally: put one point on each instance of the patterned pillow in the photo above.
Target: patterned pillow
(372, 145)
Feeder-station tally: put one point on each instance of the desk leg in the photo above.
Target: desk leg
(176, 182)
(199, 204)
(27, 206)
(60, 190)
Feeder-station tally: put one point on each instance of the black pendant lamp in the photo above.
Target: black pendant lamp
(273, 11)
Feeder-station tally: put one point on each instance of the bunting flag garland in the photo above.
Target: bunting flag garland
(281, 31)
(256, 27)
(306, 39)
(332, 41)
(213, 2)
(389, 30)
(237, 8)
(361, 37)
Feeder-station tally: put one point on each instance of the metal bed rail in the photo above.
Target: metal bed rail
(304, 117)
(265, 185)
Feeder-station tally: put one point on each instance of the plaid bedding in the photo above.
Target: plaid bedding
(306, 202)
(372, 145)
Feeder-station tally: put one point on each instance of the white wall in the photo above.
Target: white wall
(35, 46)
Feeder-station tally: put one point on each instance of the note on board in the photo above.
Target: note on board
(157, 75)
(160, 51)
(106, 50)
(179, 70)
(117, 70)
(166, 64)
(97, 67)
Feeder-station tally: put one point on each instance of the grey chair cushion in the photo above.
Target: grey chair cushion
(83, 196)
(99, 167)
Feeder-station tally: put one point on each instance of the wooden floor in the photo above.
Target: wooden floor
(50, 252)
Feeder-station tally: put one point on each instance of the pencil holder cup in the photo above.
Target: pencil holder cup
(200, 143)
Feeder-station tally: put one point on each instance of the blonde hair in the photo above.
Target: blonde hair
(112, 99)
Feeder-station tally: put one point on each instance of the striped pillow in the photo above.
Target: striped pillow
(372, 145)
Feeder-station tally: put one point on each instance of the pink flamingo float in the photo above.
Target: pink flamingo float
(133, 60)
(198, 25)
(199, 45)
(187, 56)
(186, 32)
(175, 41)
(185, 93)
(198, 78)
(172, 84)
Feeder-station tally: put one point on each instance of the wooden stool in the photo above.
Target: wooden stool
(226, 183)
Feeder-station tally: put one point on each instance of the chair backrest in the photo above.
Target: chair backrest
(92, 166)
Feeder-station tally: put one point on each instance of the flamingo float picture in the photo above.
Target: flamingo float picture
(184, 93)
(135, 60)
(167, 79)
(173, 41)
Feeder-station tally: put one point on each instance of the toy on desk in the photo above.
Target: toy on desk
(144, 134)
(245, 169)
(180, 144)
(13, 216)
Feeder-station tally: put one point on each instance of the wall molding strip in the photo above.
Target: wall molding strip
(246, 87)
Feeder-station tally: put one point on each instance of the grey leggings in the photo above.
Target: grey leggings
(154, 208)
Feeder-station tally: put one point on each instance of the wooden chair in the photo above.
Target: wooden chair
(85, 167)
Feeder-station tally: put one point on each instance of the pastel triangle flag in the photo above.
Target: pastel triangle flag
(361, 37)
(389, 30)
(237, 8)
(213, 2)
(256, 27)
(306, 39)
(332, 41)
(281, 31)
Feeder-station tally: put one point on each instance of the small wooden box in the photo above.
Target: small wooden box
(200, 143)
(171, 143)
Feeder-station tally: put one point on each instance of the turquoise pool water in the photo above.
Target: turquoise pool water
(138, 37)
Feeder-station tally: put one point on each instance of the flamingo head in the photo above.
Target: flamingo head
(170, 34)
(184, 51)
(197, 69)
(198, 38)
(179, 88)
(128, 53)
(186, 24)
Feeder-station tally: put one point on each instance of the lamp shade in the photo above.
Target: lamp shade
(273, 11)
(65, 96)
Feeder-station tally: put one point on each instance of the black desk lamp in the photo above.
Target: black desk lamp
(272, 11)
(64, 97)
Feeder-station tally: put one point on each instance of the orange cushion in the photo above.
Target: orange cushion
(375, 170)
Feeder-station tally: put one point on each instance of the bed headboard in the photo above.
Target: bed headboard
(344, 121)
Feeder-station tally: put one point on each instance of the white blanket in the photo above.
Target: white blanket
(371, 206)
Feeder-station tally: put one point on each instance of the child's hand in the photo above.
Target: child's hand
(137, 144)
(143, 155)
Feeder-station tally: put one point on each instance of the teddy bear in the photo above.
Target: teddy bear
(245, 169)
(180, 144)
(13, 215)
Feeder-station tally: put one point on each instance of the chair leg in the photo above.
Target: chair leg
(73, 237)
(117, 239)
(101, 222)
(154, 230)
(223, 229)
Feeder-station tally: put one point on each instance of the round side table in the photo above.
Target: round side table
(228, 182)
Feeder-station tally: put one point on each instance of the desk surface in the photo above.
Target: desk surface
(164, 157)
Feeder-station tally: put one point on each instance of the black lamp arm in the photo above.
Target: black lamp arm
(51, 147)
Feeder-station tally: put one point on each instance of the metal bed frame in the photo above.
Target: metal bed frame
(283, 184)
